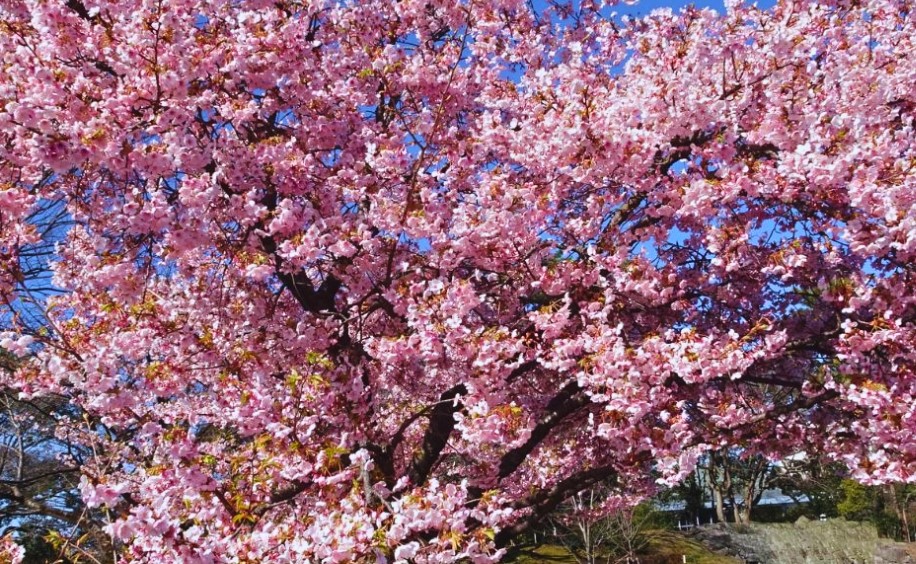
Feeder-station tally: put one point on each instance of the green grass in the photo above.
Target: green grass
(665, 547)
(542, 553)
(669, 547)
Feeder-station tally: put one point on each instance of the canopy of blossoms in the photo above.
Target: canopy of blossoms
(376, 280)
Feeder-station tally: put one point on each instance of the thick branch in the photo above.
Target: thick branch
(37, 478)
(298, 283)
(441, 425)
(543, 502)
(80, 9)
(569, 399)
(521, 369)
(311, 299)
(14, 495)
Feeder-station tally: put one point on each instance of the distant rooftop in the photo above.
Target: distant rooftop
(773, 496)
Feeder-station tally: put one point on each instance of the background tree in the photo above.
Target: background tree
(596, 526)
(858, 501)
(339, 281)
(736, 479)
(813, 482)
(901, 499)
(890, 507)
(42, 453)
(583, 528)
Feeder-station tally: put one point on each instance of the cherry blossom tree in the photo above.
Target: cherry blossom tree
(375, 281)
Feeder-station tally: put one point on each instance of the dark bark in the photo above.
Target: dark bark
(568, 400)
(545, 501)
(441, 425)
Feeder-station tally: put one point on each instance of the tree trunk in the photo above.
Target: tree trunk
(719, 503)
(742, 513)
(720, 483)
(900, 509)
(750, 496)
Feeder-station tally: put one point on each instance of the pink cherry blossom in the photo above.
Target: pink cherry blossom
(380, 281)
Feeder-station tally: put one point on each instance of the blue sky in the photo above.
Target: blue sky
(645, 6)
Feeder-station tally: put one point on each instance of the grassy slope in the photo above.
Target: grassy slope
(669, 547)
(815, 541)
(781, 543)
(666, 547)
